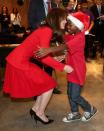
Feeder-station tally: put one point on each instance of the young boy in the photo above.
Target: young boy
(75, 40)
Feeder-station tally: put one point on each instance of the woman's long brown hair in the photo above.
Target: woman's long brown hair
(53, 20)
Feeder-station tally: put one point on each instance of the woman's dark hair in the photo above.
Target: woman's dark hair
(2, 9)
(15, 11)
(53, 20)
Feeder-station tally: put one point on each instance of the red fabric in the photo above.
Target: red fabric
(84, 18)
(75, 57)
(24, 79)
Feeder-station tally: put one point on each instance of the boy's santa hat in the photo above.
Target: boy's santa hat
(80, 20)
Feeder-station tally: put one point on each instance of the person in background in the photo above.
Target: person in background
(24, 79)
(71, 6)
(77, 24)
(5, 20)
(15, 19)
(56, 4)
(89, 52)
(98, 11)
(37, 12)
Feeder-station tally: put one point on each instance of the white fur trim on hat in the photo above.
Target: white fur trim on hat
(76, 22)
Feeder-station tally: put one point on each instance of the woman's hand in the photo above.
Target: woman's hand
(68, 69)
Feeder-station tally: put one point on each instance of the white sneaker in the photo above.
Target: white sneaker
(72, 117)
(88, 115)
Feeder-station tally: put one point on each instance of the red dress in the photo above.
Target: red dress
(75, 57)
(24, 79)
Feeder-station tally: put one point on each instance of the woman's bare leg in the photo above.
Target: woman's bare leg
(37, 103)
(42, 103)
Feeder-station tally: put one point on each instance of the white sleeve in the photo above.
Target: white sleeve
(12, 17)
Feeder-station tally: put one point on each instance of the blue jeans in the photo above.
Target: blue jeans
(74, 91)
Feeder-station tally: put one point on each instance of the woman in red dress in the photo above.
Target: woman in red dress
(24, 79)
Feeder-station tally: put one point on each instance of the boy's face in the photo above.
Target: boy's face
(72, 29)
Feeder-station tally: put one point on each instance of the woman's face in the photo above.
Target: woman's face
(4, 9)
(63, 23)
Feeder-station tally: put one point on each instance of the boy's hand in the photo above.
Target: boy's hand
(42, 52)
(68, 69)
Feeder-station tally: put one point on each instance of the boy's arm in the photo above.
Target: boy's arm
(42, 52)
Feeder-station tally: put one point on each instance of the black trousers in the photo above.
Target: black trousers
(47, 69)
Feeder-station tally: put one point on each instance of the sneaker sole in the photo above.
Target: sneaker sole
(90, 117)
(66, 121)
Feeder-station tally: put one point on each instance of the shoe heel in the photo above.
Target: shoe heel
(31, 114)
(37, 118)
